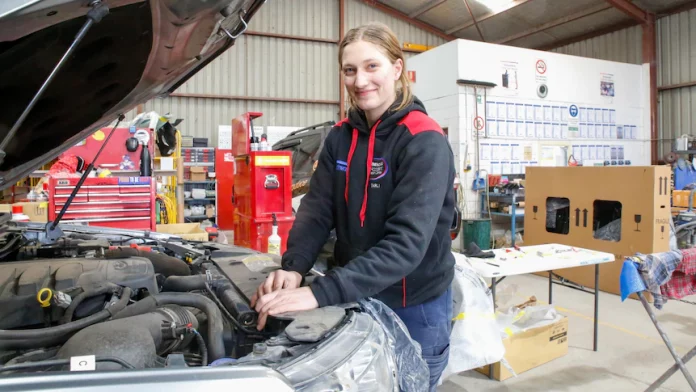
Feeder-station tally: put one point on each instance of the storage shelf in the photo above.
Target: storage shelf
(198, 217)
(199, 182)
(196, 199)
(199, 163)
(506, 214)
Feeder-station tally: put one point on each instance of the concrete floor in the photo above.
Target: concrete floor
(631, 353)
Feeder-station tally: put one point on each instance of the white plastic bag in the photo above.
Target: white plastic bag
(516, 320)
(475, 340)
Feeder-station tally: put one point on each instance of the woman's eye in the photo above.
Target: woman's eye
(372, 66)
(348, 71)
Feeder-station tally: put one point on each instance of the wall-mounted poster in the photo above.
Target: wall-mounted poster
(606, 85)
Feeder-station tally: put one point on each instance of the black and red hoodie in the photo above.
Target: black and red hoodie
(392, 217)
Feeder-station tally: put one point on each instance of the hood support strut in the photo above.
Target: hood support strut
(95, 15)
(53, 232)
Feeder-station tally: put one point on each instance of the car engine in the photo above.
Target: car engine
(130, 302)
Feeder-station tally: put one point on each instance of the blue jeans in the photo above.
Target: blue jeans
(430, 324)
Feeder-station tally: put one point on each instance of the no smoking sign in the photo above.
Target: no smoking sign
(478, 123)
(541, 67)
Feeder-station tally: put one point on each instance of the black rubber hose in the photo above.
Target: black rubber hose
(225, 291)
(26, 344)
(203, 348)
(51, 332)
(184, 284)
(216, 345)
(163, 264)
(88, 293)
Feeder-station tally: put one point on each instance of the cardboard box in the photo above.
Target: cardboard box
(187, 231)
(197, 173)
(594, 197)
(210, 210)
(37, 211)
(532, 348)
(680, 198)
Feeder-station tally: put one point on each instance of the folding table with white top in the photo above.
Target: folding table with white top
(540, 258)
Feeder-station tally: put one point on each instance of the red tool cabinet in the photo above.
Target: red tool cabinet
(262, 186)
(117, 202)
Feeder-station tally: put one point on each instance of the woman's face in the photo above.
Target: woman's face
(370, 77)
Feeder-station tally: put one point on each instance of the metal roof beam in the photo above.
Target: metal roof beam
(590, 35)
(630, 9)
(425, 8)
(678, 9)
(466, 2)
(614, 28)
(400, 15)
(487, 16)
(554, 23)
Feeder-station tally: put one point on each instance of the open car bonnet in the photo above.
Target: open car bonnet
(134, 51)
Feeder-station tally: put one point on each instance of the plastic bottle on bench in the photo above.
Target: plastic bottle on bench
(274, 238)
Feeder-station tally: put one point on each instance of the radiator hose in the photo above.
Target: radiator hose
(231, 298)
(163, 264)
(216, 344)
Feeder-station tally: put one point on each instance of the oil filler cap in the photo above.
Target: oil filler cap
(44, 297)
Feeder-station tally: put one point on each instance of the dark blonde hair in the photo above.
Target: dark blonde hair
(382, 36)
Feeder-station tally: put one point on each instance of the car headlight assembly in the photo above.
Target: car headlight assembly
(359, 358)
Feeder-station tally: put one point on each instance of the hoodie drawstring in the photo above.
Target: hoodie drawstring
(353, 144)
(370, 156)
(368, 164)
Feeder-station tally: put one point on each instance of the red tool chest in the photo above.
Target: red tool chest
(118, 202)
(261, 187)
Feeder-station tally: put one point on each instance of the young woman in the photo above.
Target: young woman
(384, 182)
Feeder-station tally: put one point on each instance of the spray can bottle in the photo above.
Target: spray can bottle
(274, 238)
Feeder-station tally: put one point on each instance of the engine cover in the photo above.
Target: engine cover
(21, 281)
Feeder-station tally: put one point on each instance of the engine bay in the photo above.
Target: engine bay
(140, 302)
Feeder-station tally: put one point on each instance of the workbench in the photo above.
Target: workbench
(540, 258)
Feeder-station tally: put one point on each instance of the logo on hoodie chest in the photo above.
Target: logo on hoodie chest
(379, 169)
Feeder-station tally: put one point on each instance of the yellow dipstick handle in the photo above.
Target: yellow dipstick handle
(44, 297)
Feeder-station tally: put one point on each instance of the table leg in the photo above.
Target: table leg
(550, 287)
(668, 343)
(514, 221)
(493, 282)
(596, 305)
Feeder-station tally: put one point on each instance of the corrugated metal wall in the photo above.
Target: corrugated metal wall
(279, 68)
(676, 55)
(623, 46)
(676, 48)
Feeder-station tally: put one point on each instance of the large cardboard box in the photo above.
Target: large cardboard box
(187, 231)
(532, 348)
(619, 210)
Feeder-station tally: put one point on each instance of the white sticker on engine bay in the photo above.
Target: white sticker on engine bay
(83, 363)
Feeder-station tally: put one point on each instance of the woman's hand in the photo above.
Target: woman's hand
(275, 281)
(283, 301)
